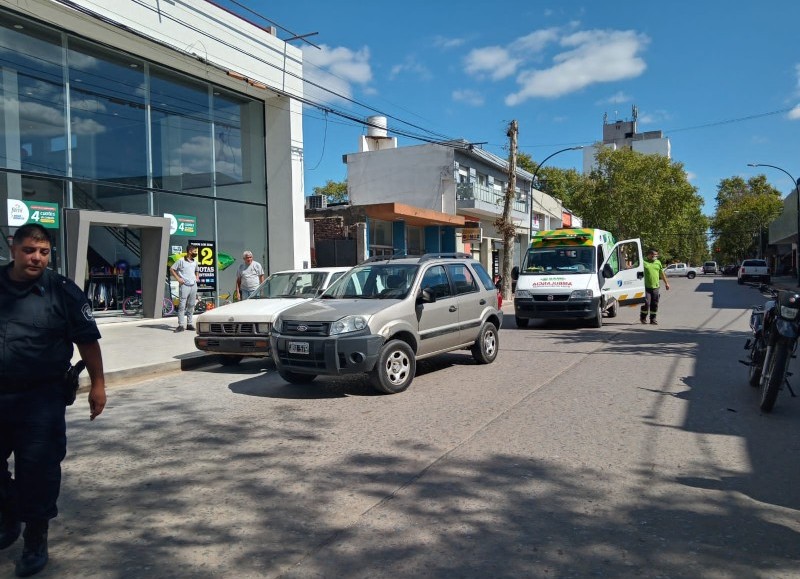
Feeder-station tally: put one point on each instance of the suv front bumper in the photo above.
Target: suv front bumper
(567, 309)
(332, 355)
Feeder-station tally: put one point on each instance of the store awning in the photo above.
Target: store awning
(416, 216)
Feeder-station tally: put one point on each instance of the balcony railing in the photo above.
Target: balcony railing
(475, 192)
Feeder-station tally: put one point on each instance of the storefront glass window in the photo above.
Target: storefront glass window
(240, 227)
(109, 129)
(183, 157)
(239, 147)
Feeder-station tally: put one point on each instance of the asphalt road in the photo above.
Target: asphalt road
(628, 451)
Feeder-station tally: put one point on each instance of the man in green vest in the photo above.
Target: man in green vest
(653, 274)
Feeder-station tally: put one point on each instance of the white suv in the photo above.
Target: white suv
(710, 267)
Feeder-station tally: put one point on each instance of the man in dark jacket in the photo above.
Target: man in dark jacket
(41, 315)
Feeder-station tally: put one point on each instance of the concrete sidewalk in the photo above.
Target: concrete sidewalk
(137, 349)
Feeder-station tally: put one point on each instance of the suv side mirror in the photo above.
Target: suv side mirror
(607, 271)
(425, 296)
(515, 273)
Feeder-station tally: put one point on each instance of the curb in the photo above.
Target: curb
(147, 371)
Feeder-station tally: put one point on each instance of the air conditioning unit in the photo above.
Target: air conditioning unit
(317, 202)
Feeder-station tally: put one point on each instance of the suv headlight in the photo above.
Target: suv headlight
(277, 324)
(263, 328)
(348, 324)
(581, 294)
(203, 328)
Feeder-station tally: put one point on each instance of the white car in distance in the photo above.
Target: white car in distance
(243, 328)
(681, 270)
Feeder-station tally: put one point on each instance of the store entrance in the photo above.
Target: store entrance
(116, 256)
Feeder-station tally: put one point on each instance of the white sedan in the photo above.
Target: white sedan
(242, 329)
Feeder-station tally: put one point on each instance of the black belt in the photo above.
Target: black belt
(19, 384)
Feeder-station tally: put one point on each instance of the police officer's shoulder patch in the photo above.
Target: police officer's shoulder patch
(86, 310)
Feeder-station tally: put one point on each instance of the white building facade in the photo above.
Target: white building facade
(151, 108)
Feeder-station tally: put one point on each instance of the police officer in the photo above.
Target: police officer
(41, 315)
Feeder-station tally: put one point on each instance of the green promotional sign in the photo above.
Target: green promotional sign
(21, 212)
(181, 224)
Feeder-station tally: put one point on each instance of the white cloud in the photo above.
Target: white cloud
(410, 66)
(657, 116)
(470, 97)
(794, 114)
(493, 61)
(616, 99)
(535, 41)
(447, 43)
(595, 56)
(691, 176)
(336, 70)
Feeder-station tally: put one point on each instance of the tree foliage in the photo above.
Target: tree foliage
(632, 194)
(743, 213)
(335, 191)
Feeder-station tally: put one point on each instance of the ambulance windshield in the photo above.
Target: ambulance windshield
(559, 260)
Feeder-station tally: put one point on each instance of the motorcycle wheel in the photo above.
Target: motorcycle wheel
(756, 362)
(776, 374)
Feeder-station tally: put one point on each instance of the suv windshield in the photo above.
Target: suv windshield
(301, 284)
(562, 260)
(374, 281)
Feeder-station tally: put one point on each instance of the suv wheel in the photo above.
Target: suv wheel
(485, 349)
(296, 377)
(395, 368)
(521, 322)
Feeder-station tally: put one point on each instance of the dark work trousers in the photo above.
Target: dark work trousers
(33, 428)
(651, 297)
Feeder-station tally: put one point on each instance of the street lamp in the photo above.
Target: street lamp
(533, 180)
(796, 183)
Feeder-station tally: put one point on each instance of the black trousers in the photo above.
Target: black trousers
(33, 428)
(650, 305)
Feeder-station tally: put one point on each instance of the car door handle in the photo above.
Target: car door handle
(453, 308)
(482, 302)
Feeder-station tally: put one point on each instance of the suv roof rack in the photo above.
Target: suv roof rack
(396, 255)
(450, 255)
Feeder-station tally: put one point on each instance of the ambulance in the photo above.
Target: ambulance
(580, 274)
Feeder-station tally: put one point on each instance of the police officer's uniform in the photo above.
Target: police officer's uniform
(39, 322)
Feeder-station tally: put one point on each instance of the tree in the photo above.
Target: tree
(335, 191)
(744, 211)
(632, 194)
(504, 224)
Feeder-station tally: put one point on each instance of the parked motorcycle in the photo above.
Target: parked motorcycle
(776, 329)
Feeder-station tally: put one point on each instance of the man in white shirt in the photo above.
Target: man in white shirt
(249, 276)
(185, 273)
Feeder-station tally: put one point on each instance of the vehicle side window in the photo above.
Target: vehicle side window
(483, 276)
(463, 280)
(334, 276)
(435, 281)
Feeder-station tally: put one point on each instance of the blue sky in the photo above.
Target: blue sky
(721, 79)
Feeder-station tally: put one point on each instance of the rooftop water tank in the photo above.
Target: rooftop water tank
(376, 126)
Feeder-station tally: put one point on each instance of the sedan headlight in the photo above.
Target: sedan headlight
(348, 324)
(521, 293)
(581, 294)
(203, 328)
(277, 324)
(263, 328)
(788, 313)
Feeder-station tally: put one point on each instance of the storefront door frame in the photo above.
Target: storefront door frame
(154, 245)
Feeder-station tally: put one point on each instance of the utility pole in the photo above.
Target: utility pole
(504, 224)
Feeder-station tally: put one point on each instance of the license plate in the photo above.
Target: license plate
(298, 347)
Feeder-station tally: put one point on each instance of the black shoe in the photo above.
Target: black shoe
(179, 329)
(34, 553)
(190, 327)
(643, 320)
(655, 323)
(10, 528)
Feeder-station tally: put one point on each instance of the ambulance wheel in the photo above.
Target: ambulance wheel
(613, 310)
(597, 320)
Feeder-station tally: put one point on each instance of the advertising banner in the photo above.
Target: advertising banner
(21, 212)
(206, 265)
(182, 224)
